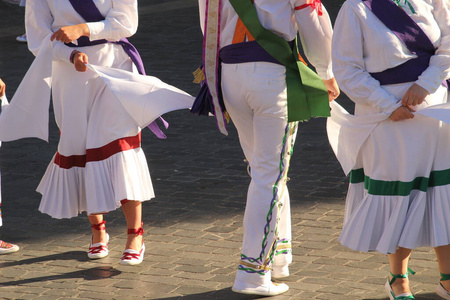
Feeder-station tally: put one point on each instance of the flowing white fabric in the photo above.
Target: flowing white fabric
(347, 132)
(27, 114)
(145, 98)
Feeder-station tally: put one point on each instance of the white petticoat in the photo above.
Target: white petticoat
(105, 183)
(383, 223)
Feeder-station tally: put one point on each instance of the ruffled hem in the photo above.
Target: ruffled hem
(97, 188)
(384, 223)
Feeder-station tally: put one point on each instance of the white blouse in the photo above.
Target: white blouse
(362, 44)
(280, 17)
(44, 17)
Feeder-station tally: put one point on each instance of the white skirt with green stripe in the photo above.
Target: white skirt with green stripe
(399, 193)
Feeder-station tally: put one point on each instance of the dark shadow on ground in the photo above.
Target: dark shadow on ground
(97, 273)
(71, 255)
(223, 294)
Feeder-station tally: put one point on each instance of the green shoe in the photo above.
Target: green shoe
(440, 290)
(388, 287)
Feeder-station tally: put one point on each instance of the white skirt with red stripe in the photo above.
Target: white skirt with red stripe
(99, 160)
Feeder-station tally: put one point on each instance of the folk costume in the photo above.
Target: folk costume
(99, 161)
(399, 192)
(253, 88)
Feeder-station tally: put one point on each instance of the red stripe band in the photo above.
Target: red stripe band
(314, 4)
(98, 154)
(302, 6)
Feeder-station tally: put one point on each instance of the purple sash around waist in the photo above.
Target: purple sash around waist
(90, 13)
(231, 54)
(410, 33)
(245, 52)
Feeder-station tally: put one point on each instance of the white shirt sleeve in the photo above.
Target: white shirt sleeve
(121, 21)
(439, 68)
(349, 67)
(38, 22)
(315, 34)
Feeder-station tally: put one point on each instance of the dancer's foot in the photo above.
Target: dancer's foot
(443, 287)
(134, 248)
(279, 272)
(397, 286)
(99, 241)
(268, 289)
(6, 248)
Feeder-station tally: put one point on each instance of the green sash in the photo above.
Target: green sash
(306, 93)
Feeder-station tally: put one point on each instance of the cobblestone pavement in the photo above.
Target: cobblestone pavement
(194, 225)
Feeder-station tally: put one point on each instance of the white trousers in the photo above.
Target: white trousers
(255, 97)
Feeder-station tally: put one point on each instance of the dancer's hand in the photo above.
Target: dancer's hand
(402, 113)
(332, 88)
(2, 88)
(80, 60)
(68, 34)
(414, 95)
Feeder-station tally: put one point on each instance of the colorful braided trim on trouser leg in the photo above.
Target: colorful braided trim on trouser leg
(284, 246)
(262, 264)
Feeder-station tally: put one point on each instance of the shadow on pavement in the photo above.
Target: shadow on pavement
(223, 294)
(71, 255)
(88, 274)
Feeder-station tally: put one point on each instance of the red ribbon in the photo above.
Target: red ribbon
(98, 249)
(314, 4)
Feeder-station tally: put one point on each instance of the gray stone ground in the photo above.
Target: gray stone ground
(193, 226)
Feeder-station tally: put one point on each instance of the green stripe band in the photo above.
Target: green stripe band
(399, 188)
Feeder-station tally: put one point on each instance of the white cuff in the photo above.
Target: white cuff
(431, 79)
(325, 74)
(95, 30)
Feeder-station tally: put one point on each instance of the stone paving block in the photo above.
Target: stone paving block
(224, 244)
(317, 223)
(363, 265)
(216, 236)
(227, 251)
(223, 278)
(225, 270)
(193, 269)
(197, 250)
(316, 238)
(315, 245)
(189, 274)
(188, 290)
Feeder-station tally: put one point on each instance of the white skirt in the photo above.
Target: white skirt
(96, 188)
(399, 193)
(99, 160)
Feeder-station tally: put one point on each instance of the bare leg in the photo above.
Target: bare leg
(132, 211)
(443, 257)
(98, 236)
(399, 265)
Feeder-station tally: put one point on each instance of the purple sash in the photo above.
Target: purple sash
(246, 52)
(414, 38)
(90, 13)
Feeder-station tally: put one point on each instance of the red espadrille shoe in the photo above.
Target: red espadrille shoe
(99, 250)
(130, 256)
(6, 248)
